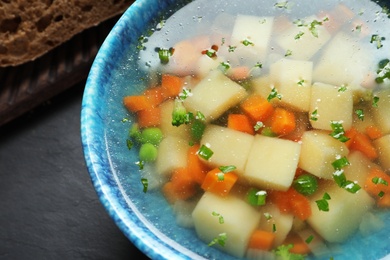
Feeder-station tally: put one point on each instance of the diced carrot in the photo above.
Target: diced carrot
(283, 121)
(350, 133)
(291, 201)
(262, 240)
(299, 246)
(197, 168)
(149, 117)
(239, 73)
(299, 171)
(384, 201)
(214, 184)
(376, 189)
(136, 103)
(257, 108)
(373, 132)
(241, 123)
(362, 143)
(154, 95)
(180, 187)
(171, 85)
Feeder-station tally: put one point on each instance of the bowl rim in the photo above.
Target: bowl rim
(93, 138)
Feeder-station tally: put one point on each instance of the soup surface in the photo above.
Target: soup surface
(264, 126)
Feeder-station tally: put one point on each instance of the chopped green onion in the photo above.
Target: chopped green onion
(314, 115)
(306, 184)
(197, 128)
(378, 180)
(226, 169)
(267, 131)
(340, 163)
(309, 239)
(258, 65)
(220, 239)
(256, 197)
(274, 227)
(144, 182)
(381, 194)
(200, 116)
(360, 114)
(339, 178)
(274, 94)
(352, 187)
(267, 215)
(164, 54)
(258, 125)
(205, 152)
(338, 131)
(220, 217)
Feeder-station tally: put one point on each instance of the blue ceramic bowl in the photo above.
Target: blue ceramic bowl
(147, 219)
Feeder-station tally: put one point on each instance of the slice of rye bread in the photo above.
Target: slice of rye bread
(30, 28)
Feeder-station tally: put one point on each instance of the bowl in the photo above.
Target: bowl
(147, 220)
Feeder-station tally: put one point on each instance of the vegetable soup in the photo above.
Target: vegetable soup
(266, 125)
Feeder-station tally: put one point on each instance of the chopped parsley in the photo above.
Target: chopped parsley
(314, 115)
(267, 215)
(232, 48)
(212, 52)
(358, 28)
(220, 217)
(283, 252)
(274, 94)
(360, 114)
(185, 93)
(129, 144)
(205, 152)
(259, 65)
(299, 35)
(338, 131)
(322, 203)
(247, 42)
(342, 88)
(281, 5)
(383, 71)
(225, 65)
(301, 82)
(309, 239)
(140, 164)
(288, 53)
(220, 240)
(376, 39)
(144, 182)
(375, 101)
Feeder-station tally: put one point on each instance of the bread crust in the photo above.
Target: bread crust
(30, 28)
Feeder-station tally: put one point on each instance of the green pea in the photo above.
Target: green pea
(152, 135)
(148, 152)
(306, 184)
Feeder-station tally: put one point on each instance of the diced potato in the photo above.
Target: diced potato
(206, 64)
(292, 79)
(263, 86)
(166, 126)
(255, 29)
(172, 154)
(272, 162)
(361, 125)
(318, 151)
(230, 147)
(317, 245)
(239, 221)
(344, 61)
(214, 94)
(273, 219)
(345, 213)
(307, 45)
(381, 113)
(359, 168)
(331, 105)
(383, 146)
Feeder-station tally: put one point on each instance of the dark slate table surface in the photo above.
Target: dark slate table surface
(48, 207)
